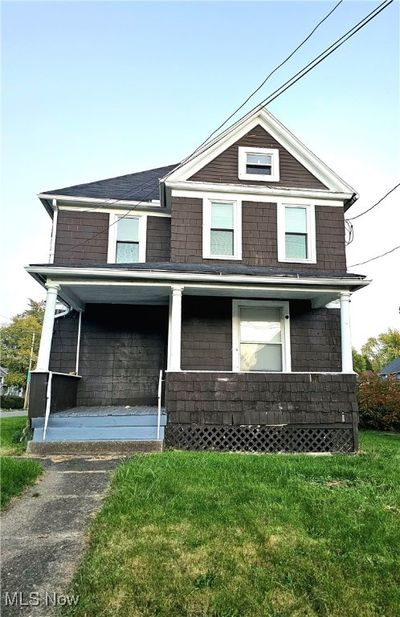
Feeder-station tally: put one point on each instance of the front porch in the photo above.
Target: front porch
(107, 354)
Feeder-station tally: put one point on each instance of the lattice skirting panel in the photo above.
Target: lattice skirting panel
(259, 438)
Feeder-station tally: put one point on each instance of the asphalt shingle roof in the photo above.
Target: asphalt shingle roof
(392, 367)
(202, 268)
(140, 186)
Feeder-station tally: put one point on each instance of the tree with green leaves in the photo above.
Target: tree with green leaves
(16, 343)
(360, 362)
(382, 349)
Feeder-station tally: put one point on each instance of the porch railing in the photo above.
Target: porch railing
(48, 404)
(159, 393)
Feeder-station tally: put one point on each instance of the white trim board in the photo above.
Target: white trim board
(283, 305)
(155, 203)
(112, 236)
(237, 228)
(283, 136)
(311, 231)
(116, 211)
(111, 273)
(242, 164)
(258, 193)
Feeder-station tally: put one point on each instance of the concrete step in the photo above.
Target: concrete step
(98, 433)
(92, 448)
(79, 421)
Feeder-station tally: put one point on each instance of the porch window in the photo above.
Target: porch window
(221, 229)
(127, 239)
(258, 164)
(261, 333)
(296, 233)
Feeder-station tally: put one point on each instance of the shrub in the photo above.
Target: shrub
(12, 402)
(379, 402)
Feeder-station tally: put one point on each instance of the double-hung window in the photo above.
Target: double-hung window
(261, 336)
(127, 240)
(260, 164)
(296, 233)
(221, 229)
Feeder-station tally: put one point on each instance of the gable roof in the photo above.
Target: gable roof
(140, 186)
(392, 367)
(271, 125)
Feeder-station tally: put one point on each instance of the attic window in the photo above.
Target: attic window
(260, 164)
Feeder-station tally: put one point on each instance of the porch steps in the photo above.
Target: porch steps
(92, 448)
(134, 424)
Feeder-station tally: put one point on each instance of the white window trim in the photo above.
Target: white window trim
(285, 324)
(237, 228)
(112, 237)
(311, 233)
(243, 175)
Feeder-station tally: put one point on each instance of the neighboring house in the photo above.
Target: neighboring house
(393, 368)
(218, 272)
(8, 390)
(3, 374)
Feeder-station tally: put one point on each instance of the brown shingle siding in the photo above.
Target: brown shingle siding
(265, 398)
(206, 333)
(224, 168)
(81, 238)
(259, 235)
(158, 244)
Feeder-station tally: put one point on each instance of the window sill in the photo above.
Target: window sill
(297, 261)
(258, 178)
(224, 257)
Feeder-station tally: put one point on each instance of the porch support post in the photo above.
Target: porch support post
(47, 327)
(175, 329)
(347, 356)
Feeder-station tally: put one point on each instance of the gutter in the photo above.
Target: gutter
(347, 204)
(41, 273)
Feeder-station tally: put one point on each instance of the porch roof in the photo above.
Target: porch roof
(151, 283)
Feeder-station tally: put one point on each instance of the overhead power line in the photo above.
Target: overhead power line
(254, 92)
(116, 201)
(361, 263)
(353, 218)
(288, 84)
(299, 75)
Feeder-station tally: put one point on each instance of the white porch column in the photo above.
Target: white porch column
(175, 329)
(347, 356)
(47, 327)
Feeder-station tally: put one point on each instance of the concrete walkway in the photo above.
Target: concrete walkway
(13, 414)
(43, 533)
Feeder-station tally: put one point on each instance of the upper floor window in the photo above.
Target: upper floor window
(296, 233)
(260, 164)
(127, 239)
(222, 229)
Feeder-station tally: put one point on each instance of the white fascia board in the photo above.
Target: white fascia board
(190, 188)
(117, 209)
(289, 141)
(109, 273)
(95, 200)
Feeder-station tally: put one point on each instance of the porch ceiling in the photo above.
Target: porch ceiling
(78, 294)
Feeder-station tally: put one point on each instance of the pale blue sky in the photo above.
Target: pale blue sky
(97, 89)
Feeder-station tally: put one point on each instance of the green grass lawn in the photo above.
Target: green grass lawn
(229, 535)
(15, 474)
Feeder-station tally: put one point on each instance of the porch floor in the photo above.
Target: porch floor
(103, 423)
(111, 410)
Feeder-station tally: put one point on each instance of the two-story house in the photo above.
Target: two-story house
(227, 274)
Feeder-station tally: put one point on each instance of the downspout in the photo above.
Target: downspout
(53, 231)
(347, 204)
